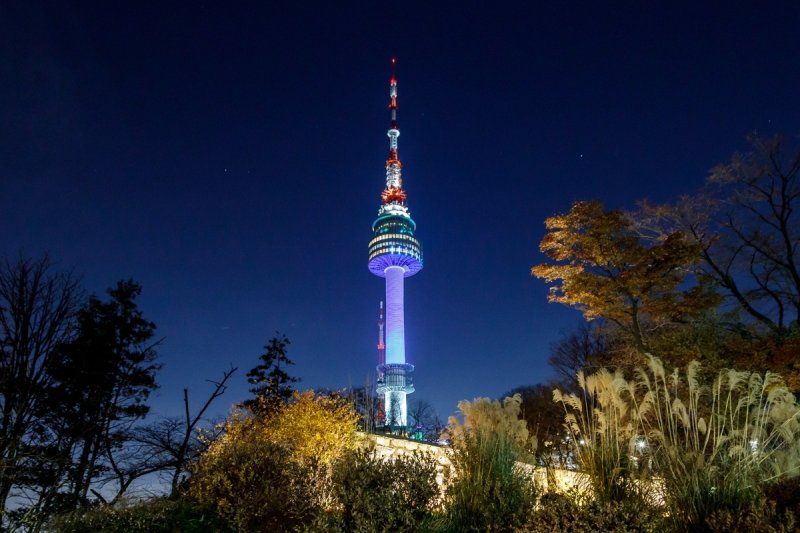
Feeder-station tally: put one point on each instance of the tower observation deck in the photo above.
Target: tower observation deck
(394, 254)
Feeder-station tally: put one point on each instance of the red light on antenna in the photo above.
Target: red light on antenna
(394, 60)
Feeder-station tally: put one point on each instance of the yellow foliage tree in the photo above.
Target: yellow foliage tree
(315, 427)
(271, 472)
(605, 267)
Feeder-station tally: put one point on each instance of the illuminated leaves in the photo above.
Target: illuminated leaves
(316, 428)
(312, 427)
(603, 265)
(273, 468)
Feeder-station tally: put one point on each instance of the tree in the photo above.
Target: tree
(366, 403)
(587, 347)
(164, 446)
(605, 267)
(545, 422)
(270, 471)
(424, 419)
(181, 454)
(394, 414)
(746, 225)
(171, 443)
(272, 383)
(420, 413)
(38, 307)
(102, 381)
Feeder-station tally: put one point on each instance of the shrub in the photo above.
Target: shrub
(559, 513)
(761, 517)
(784, 494)
(385, 495)
(487, 489)
(272, 472)
(144, 517)
(257, 486)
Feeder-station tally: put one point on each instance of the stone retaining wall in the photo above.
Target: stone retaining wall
(388, 447)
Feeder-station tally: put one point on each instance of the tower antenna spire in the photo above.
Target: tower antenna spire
(394, 193)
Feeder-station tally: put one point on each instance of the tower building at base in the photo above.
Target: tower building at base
(394, 254)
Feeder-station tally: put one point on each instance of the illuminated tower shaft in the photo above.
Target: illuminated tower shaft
(395, 319)
(394, 254)
(381, 344)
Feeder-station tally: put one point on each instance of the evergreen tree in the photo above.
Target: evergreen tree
(103, 380)
(273, 385)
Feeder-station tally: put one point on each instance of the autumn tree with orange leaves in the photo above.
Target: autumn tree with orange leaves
(606, 266)
(714, 276)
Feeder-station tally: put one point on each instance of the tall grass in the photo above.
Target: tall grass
(716, 447)
(487, 489)
(707, 447)
(601, 424)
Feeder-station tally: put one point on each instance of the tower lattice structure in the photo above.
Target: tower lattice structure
(394, 254)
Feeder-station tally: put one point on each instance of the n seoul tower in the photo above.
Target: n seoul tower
(394, 254)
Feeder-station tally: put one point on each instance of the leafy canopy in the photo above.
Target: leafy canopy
(602, 264)
(270, 471)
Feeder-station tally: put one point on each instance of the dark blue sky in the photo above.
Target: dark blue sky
(230, 159)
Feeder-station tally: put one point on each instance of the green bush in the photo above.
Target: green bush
(145, 517)
(390, 495)
(559, 513)
(257, 486)
(761, 517)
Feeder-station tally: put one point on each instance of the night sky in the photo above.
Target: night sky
(230, 158)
